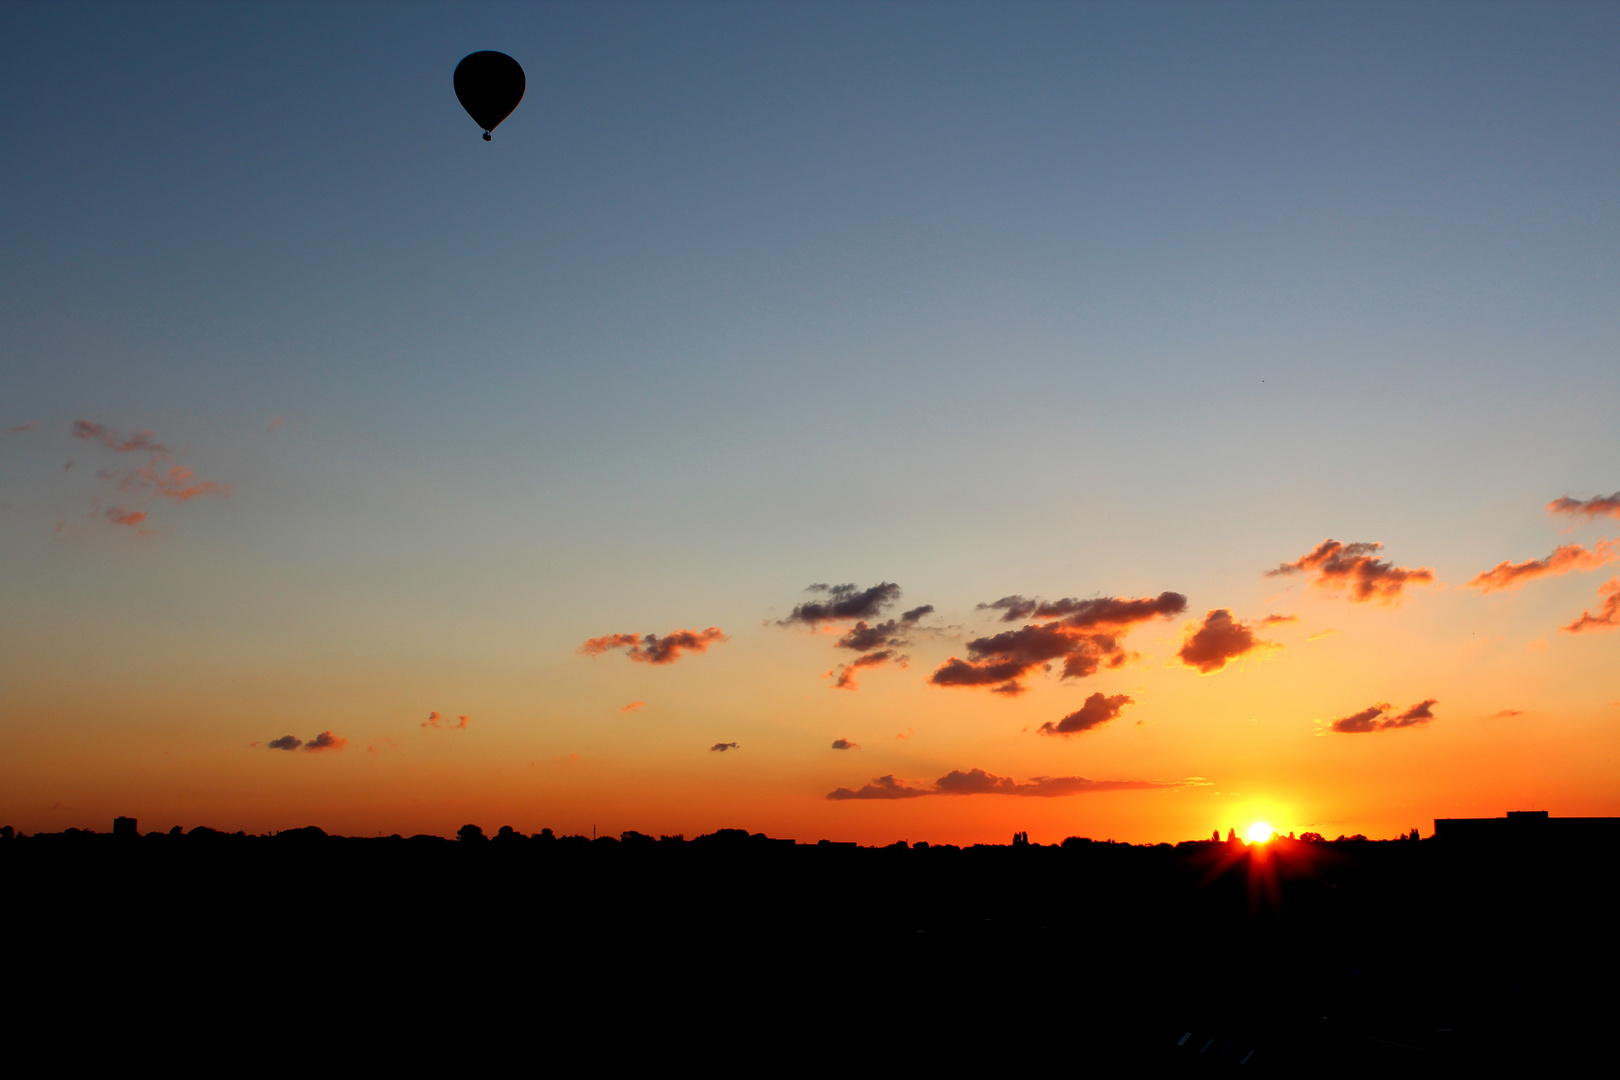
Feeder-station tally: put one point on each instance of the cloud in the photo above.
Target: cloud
(1085, 634)
(153, 479)
(633, 706)
(142, 442)
(179, 484)
(722, 747)
(878, 642)
(438, 721)
(979, 782)
(20, 428)
(1507, 714)
(1564, 559)
(1012, 608)
(846, 672)
(652, 649)
(1278, 620)
(1334, 566)
(326, 741)
(1096, 711)
(1377, 718)
(882, 787)
(1597, 506)
(1220, 640)
(843, 602)
(286, 742)
(845, 744)
(1320, 634)
(1608, 616)
(863, 638)
(131, 518)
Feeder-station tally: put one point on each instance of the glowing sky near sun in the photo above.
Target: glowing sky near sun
(847, 421)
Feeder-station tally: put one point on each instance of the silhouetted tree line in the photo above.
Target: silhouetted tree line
(1301, 953)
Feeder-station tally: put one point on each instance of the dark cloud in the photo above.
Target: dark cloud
(1085, 635)
(979, 782)
(722, 747)
(845, 744)
(1608, 616)
(326, 741)
(1564, 559)
(1378, 718)
(286, 742)
(878, 642)
(844, 602)
(1507, 714)
(1111, 611)
(864, 638)
(1278, 620)
(846, 672)
(1597, 506)
(1220, 640)
(1096, 711)
(1333, 566)
(18, 429)
(652, 649)
(1012, 608)
(882, 787)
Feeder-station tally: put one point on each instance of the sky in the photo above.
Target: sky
(759, 328)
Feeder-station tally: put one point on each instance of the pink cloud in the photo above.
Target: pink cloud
(326, 741)
(1333, 566)
(846, 672)
(1608, 616)
(1597, 506)
(131, 518)
(633, 706)
(1565, 558)
(652, 649)
(1220, 640)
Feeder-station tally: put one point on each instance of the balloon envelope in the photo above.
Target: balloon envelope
(489, 86)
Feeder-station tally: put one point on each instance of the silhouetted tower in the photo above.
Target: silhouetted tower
(124, 828)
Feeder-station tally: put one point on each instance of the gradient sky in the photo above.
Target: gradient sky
(981, 300)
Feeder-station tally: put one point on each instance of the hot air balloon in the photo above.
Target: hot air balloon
(489, 86)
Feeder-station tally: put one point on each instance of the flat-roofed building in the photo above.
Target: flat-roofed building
(1535, 826)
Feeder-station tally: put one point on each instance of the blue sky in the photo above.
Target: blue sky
(1070, 299)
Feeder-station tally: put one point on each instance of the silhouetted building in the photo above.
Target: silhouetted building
(124, 828)
(1533, 826)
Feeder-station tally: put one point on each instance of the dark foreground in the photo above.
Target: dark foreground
(737, 954)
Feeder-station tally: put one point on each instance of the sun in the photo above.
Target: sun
(1260, 832)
